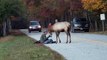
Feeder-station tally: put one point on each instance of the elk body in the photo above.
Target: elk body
(61, 26)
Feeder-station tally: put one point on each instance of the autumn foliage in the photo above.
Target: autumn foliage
(56, 8)
(95, 5)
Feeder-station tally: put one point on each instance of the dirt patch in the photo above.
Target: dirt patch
(7, 38)
(10, 37)
(16, 32)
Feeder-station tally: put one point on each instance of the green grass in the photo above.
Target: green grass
(22, 48)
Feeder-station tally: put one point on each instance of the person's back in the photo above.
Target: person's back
(42, 38)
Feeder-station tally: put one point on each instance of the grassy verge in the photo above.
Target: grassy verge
(21, 47)
(100, 32)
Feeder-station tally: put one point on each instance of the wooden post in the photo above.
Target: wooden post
(102, 17)
(103, 25)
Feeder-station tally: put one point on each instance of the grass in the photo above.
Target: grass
(21, 47)
(99, 32)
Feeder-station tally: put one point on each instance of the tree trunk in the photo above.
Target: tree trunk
(96, 27)
(0, 29)
(71, 15)
(89, 18)
(9, 26)
(4, 28)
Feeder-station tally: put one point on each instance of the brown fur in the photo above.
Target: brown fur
(58, 32)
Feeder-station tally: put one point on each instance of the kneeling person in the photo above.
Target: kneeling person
(46, 40)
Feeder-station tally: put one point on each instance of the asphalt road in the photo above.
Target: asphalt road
(83, 46)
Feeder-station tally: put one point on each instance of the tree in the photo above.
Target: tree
(76, 9)
(95, 7)
(56, 7)
(52, 9)
(33, 8)
(10, 8)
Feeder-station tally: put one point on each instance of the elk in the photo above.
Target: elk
(61, 26)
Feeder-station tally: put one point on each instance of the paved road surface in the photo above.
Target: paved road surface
(83, 46)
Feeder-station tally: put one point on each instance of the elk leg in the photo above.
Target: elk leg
(59, 37)
(56, 38)
(69, 37)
